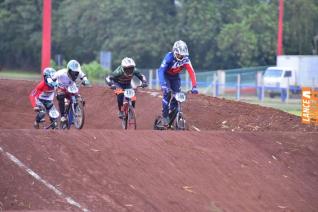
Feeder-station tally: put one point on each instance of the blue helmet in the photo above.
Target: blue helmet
(48, 72)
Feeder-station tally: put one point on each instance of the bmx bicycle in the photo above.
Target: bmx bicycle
(74, 107)
(176, 117)
(128, 121)
(53, 114)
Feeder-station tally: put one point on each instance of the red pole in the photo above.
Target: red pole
(46, 34)
(280, 28)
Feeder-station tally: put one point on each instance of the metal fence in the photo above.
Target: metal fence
(218, 83)
(239, 84)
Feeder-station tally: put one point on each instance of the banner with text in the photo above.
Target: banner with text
(309, 113)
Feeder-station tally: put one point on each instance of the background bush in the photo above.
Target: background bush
(94, 70)
(57, 67)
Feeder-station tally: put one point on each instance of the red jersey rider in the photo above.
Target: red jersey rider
(42, 96)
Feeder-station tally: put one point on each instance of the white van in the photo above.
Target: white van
(293, 71)
(276, 78)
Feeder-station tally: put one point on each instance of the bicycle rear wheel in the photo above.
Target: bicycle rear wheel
(66, 124)
(158, 124)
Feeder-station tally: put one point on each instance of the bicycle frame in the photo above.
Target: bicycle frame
(179, 98)
(74, 102)
(53, 115)
(128, 109)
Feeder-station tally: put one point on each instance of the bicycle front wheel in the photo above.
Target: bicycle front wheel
(131, 121)
(124, 120)
(180, 123)
(79, 116)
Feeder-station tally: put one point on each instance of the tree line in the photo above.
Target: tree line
(220, 34)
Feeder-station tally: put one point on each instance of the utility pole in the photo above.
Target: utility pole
(280, 28)
(46, 35)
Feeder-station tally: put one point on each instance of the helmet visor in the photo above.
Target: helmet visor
(179, 56)
(129, 70)
(73, 74)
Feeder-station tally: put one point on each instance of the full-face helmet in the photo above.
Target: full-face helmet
(73, 69)
(180, 50)
(48, 72)
(128, 65)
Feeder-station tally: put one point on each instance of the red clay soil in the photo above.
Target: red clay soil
(203, 112)
(247, 158)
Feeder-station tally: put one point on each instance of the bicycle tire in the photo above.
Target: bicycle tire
(180, 123)
(124, 120)
(79, 116)
(158, 124)
(131, 117)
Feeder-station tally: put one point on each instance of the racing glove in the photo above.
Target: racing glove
(109, 81)
(85, 82)
(51, 83)
(144, 84)
(194, 90)
(54, 84)
(113, 86)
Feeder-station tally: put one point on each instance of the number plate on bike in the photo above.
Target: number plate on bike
(53, 113)
(72, 88)
(180, 97)
(129, 93)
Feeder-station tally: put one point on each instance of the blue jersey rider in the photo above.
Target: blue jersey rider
(173, 63)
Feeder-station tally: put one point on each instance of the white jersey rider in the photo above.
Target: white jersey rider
(66, 77)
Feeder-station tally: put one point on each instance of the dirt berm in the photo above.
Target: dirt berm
(245, 158)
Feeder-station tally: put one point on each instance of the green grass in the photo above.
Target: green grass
(27, 75)
(293, 106)
(17, 74)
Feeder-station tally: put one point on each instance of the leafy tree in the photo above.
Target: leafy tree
(126, 28)
(220, 34)
(300, 26)
(20, 33)
(198, 25)
(251, 39)
(238, 45)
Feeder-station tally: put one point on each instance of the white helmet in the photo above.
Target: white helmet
(180, 50)
(73, 69)
(128, 65)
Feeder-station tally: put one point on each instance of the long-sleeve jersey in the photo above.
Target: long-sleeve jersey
(119, 76)
(41, 91)
(63, 79)
(172, 67)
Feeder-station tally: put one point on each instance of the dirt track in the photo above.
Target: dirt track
(246, 158)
